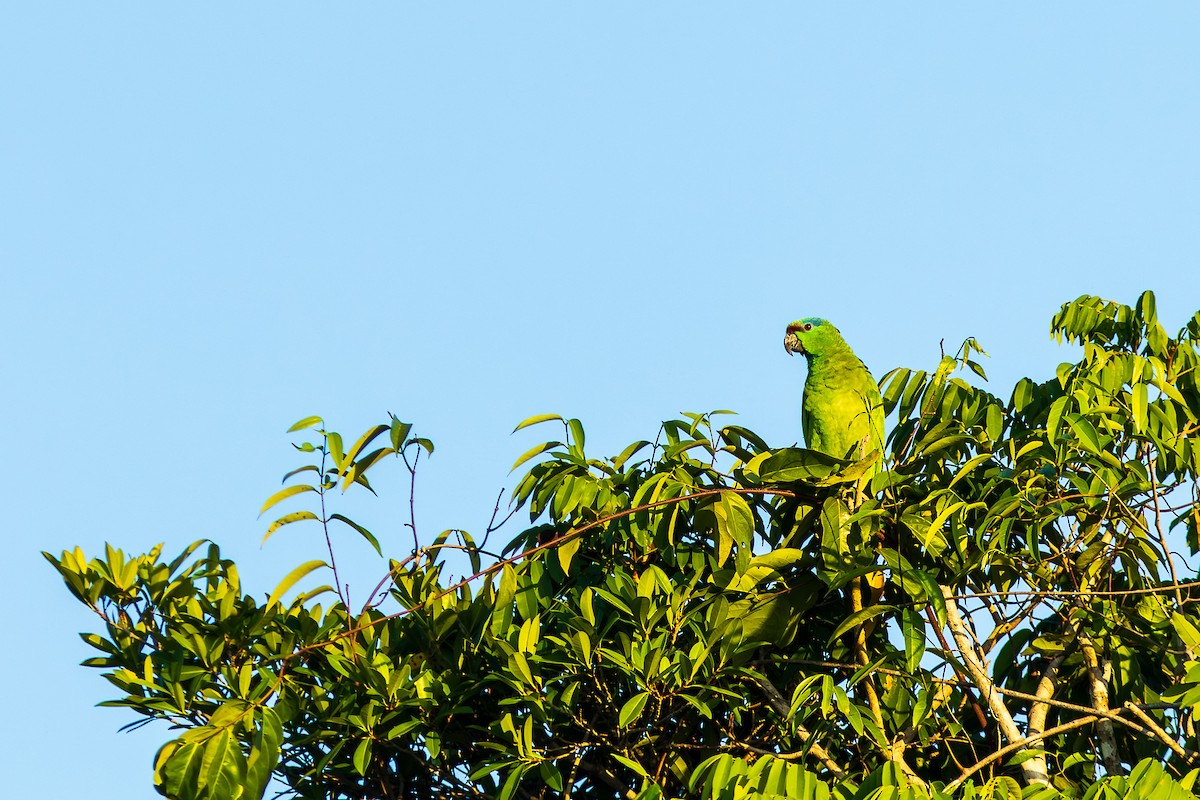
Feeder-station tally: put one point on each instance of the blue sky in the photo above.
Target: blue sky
(219, 219)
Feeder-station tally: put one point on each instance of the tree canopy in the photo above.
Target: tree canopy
(675, 621)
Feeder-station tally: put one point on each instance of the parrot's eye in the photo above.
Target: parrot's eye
(808, 326)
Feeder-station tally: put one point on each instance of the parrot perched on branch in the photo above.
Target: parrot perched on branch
(842, 416)
(842, 410)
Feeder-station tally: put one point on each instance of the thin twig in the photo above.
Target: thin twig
(494, 568)
(412, 494)
(1160, 733)
(1017, 745)
(1034, 768)
(1162, 537)
(337, 581)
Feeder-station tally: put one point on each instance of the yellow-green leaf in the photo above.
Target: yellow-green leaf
(536, 419)
(292, 577)
(287, 519)
(284, 494)
(361, 444)
(307, 422)
(535, 451)
(1139, 403)
(632, 709)
(336, 451)
(506, 592)
(359, 468)
(1187, 631)
(566, 552)
(362, 756)
(633, 765)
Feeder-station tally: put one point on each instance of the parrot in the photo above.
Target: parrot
(841, 413)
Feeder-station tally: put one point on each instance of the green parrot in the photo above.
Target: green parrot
(842, 416)
(842, 411)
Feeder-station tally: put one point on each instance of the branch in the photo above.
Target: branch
(499, 565)
(1163, 736)
(608, 778)
(1099, 675)
(1033, 769)
(1020, 744)
(1047, 686)
(1162, 537)
(776, 701)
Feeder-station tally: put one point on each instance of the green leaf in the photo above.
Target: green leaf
(966, 468)
(512, 780)
(362, 443)
(632, 709)
(858, 618)
(633, 765)
(551, 775)
(520, 665)
(1139, 400)
(292, 577)
(362, 756)
(536, 420)
(912, 626)
(506, 593)
(833, 536)
(363, 532)
(1187, 631)
(284, 494)
(778, 558)
(264, 754)
(795, 464)
(735, 524)
(628, 452)
(577, 436)
(287, 519)
(587, 605)
(566, 551)
(1085, 433)
(530, 635)
(307, 422)
(336, 451)
(177, 769)
(1024, 755)
(298, 470)
(534, 451)
(222, 763)
(1054, 418)
(399, 433)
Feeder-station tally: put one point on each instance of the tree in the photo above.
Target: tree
(676, 620)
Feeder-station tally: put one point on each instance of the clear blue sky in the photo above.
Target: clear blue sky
(216, 219)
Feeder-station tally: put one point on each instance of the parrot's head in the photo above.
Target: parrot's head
(811, 336)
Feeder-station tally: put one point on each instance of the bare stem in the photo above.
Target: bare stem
(1034, 768)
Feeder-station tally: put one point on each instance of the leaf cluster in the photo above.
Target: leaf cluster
(680, 619)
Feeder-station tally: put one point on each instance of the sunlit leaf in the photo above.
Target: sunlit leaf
(284, 494)
(288, 519)
(534, 420)
(632, 709)
(292, 578)
(534, 452)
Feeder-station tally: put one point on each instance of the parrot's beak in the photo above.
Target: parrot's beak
(791, 343)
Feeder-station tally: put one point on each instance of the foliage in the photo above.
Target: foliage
(675, 621)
